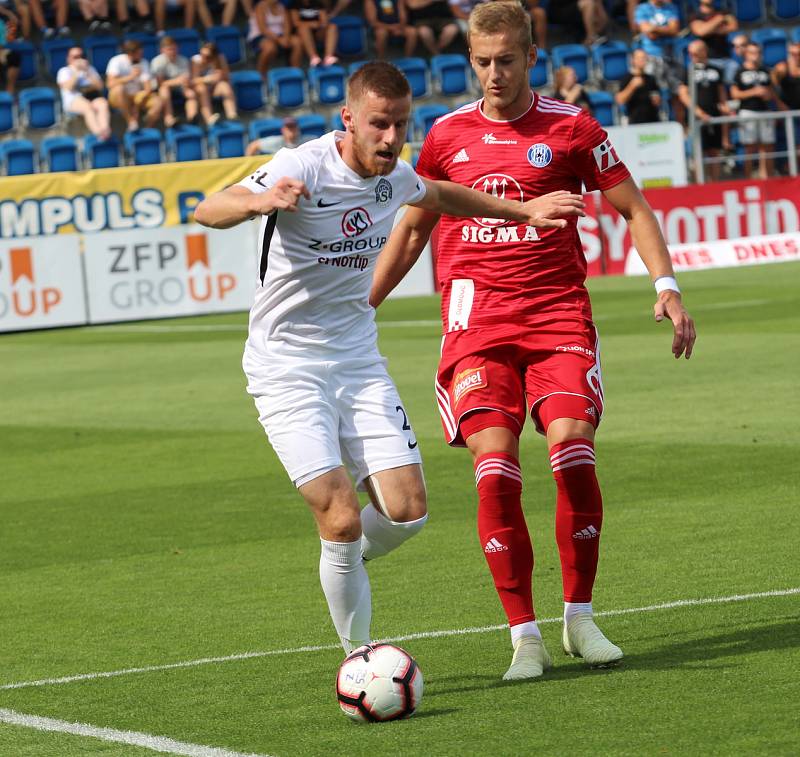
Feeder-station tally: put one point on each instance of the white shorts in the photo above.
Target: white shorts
(320, 415)
(755, 132)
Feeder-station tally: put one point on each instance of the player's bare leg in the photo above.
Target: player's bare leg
(579, 516)
(397, 511)
(336, 510)
(504, 536)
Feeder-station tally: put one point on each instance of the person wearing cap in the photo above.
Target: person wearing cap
(289, 137)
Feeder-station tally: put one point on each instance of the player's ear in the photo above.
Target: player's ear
(347, 118)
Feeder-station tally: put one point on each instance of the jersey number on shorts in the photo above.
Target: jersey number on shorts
(406, 425)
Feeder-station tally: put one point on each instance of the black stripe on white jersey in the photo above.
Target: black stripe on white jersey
(269, 229)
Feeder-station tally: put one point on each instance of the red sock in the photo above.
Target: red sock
(504, 533)
(579, 516)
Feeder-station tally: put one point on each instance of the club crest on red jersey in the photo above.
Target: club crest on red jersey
(605, 156)
(355, 221)
(539, 155)
(498, 185)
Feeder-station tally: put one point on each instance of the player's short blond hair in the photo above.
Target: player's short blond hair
(379, 77)
(499, 17)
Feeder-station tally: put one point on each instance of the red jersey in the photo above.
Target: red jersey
(499, 271)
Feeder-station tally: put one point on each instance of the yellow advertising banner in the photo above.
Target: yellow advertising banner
(113, 199)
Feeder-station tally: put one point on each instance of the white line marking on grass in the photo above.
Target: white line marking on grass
(405, 637)
(134, 738)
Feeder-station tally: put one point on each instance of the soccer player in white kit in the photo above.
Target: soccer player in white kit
(320, 385)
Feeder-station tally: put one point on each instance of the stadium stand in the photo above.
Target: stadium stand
(229, 42)
(185, 142)
(748, 11)
(773, 44)
(450, 74)
(539, 75)
(327, 84)
(101, 154)
(287, 87)
(149, 43)
(264, 127)
(38, 107)
(8, 115)
(144, 147)
(611, 60)
(575, 56)
(352, 36)
(416, 71)
(100, 49)
(28, 70)
(188, 41)
(248, 87)
(786, 10)
(312, 125)
(226, 140)
(18, 157)
(603, 107)
(59, 154)
(424, 116)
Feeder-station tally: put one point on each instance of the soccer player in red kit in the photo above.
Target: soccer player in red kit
(519, 336)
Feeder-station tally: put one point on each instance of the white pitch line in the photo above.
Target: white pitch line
(406, 637)
(134, 738)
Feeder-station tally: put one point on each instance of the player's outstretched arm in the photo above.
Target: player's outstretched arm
(235, 204)
(406, 242)
(547, 211)
(652, 249)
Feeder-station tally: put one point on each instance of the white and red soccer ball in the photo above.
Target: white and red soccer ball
(379, 682)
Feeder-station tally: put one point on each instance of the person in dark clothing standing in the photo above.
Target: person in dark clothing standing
(639, 93)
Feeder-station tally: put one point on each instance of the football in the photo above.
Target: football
(379, 682)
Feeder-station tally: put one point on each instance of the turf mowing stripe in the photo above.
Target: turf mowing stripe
(134, 738)
(405, 637)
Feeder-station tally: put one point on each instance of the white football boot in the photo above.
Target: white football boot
(530, 660)
(582, 638)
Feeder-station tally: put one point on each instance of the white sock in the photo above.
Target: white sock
(573, 608)
(524, 629)
(346, 586)
(379, 535)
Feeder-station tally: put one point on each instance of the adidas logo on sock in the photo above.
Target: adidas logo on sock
(494, 546)
(586, 533)
(461, 156)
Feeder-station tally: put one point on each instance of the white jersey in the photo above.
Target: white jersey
(316, 265)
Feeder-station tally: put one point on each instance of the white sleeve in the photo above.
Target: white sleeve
(285, 163)
(63, 75)
(414, 187)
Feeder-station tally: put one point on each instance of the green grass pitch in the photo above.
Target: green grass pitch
(144, 521)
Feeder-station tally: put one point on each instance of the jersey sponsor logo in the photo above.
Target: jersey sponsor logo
(498, 185)
(461, 156)
(355, 222)
(575, 348)
(605, 156)
(259, 177)
(383, 192)
(490, 139)
(484, 235)
(356, 262)
(322, 204)
(348, 245)
(467, 381)
(539, 155)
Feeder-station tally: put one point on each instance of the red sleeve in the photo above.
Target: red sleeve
(428, 165)
(592, 155)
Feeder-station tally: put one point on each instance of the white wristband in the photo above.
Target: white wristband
(666, 282)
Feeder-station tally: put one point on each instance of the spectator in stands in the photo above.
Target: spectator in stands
(82, 93)
(786, 78)
(9, 24)
(567, 88)
(229, 10)
(130, 86)
(658, 22)
(95, 15)
(389, 18)
(289, 137)
(710, 101)
(752, 87)
(460, 10)
(310, 19)
(434, 23)
(538, 23)
(211, 77)
(638, 91)
(31, 12)
(10, 62)
(174, 76)
(713, 27)
(191, 8)
(571, 13)
(142, 8)
(270, 32)
(738, 46)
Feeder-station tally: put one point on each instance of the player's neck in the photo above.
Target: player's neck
(518, 108)
(348, 155)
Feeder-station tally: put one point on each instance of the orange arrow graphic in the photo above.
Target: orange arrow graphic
(21, 264)
(196, 250)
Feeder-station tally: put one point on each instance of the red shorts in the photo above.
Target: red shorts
(551, 370)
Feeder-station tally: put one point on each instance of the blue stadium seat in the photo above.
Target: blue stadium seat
(185, 142)
(226, 139)
(416, 71)
(27, 52)
(786, 10)
(287, 86)
(149, 43)
(539, 75)
(265, 127)
(773, 44)
(327, 84)
(312, 125)
(101, 153)
(355, 65)
(576, 56)
(18, 157)
(603, 108)
(352, 35)
(144, 147)
(796, 34)
(249, 90)
(425, 115)
(59, 153)
(228, 40)
(611, 60)
(100, 49)
(37, 107)
(680, 49)
(450, 74)
(188, 41)
(336, 123)
(8, 115)
(55, 53)
(748, 11)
